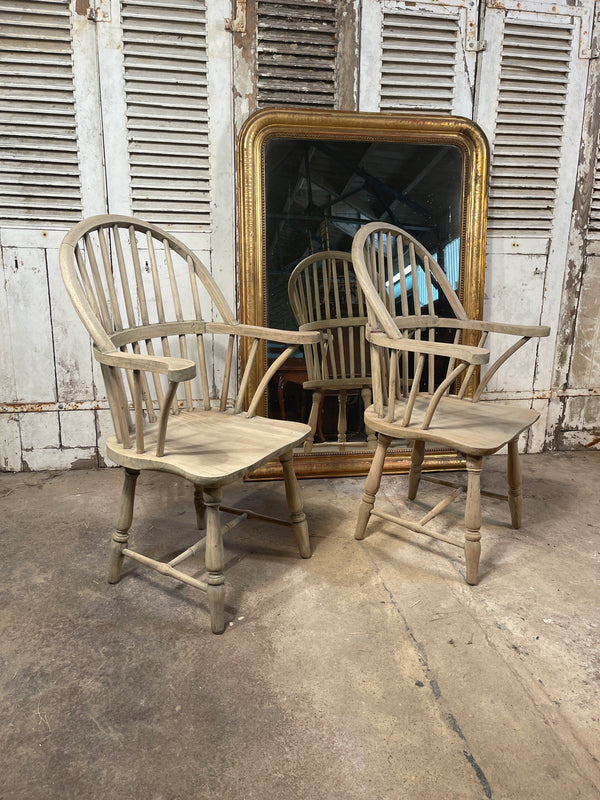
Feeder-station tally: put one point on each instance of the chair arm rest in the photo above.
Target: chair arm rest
(472, 355)
(260, 332)
(176, 369)
(494, 327)
(278, 335)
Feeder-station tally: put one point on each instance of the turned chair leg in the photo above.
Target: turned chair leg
(200, 508)
(313, 419)
(365, 393)
(214, 560)
(515, 494)
(473, 518)
(342, 424)
(294, 501)
(416, 463)
(371, 486)
(123, 522)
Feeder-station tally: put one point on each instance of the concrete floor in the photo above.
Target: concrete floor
(369, 671)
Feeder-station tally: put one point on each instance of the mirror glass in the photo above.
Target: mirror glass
(308, 182)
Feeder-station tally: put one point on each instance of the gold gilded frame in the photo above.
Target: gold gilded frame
(398, 128)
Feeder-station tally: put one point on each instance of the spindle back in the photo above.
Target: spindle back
(406, 290)
(140, 290)
(325, 296)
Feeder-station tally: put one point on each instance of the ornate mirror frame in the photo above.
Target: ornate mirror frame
(398, 128)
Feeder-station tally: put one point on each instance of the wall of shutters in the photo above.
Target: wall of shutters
(134, 107)
(39, 162)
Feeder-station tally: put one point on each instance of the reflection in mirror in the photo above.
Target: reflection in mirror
(317, 195)
(308, 180)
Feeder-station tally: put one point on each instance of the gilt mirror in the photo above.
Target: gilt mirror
(307, 181)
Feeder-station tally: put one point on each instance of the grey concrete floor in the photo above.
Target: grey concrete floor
(369, 671)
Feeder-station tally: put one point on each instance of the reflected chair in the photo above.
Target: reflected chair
(141, 294)
(426, 380)
(326, 297)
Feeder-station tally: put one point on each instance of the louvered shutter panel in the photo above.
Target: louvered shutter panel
(39, 167)
(418, 62)
(594, 222)
(164, 47)
(296, 53)
(534, 74)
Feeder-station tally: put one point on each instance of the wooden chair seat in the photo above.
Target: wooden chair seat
(211, 448)
(336, 385)
(474, 428)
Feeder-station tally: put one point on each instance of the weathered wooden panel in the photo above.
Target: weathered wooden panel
(514, 292)
(72, 352)
(10, 443)
(585, 360)
(29, 325)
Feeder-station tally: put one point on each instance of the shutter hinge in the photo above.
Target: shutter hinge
(94, 10)
(238, 23)
(476, 46)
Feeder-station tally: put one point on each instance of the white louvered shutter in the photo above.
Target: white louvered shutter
(594, 221)
(164, 51)
(534, 77)
(39, 166)
(418, 61)
(531, 91)
(296, 52)
(417, 56)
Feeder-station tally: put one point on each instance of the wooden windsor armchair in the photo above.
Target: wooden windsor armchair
(140, 294)
(416, 400)
(326, 297)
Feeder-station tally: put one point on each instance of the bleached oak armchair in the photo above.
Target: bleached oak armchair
(326, 297)
(425, 380)
(141, 293)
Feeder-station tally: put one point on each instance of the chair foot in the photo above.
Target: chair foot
(294, 501)
(371, 486)
(515, 493)
(214, 559)
(473, 518)
(414, 476)
(215, 593)
(120, 536)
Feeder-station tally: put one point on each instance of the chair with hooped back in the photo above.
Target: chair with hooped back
(141, 295)
(426, 385)
(326, 297)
